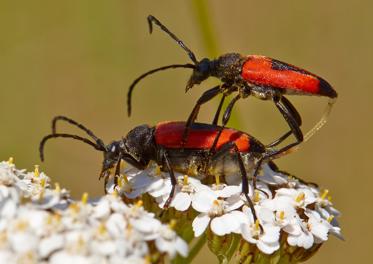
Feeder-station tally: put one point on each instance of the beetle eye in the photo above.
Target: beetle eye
(204, 66)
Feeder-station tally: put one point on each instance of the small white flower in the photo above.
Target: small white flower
(169, 242)
(184, 191)
(280, 212)
(300, 198)
(50, 244)
(265, 236)
(224, 219)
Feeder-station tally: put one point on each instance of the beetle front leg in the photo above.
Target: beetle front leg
(206, 96)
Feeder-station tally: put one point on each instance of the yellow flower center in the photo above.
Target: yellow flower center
(139, 203)
(217, 180)
(185, 180)
(324, 194)
(282, 215)
(330, 218)
(36, 171)
(158, 170)
(57, 187)
(42, 182)
(172, 223)
(84, 198)
(300, 197)
(256, 196)
(257, 225)
(11, 160)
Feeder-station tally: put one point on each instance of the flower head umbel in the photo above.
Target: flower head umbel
(289, 213)
(39, 225)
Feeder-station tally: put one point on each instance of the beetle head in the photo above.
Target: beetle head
(201, 72)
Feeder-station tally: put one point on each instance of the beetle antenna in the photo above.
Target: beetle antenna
(152, 20)
(322, 121)
(58, 135)
(318, 125)
(82, 127)
(142, 76)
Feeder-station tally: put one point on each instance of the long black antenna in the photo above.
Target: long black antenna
(152, 20)
(142, 76)
(82, 127)
(57, 135)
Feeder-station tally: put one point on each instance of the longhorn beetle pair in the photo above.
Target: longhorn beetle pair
(236, 152)
(260, 76)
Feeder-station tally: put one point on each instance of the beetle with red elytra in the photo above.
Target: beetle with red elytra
(259, 76)
(236, 153)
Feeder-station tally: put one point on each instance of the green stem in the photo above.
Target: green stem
(201, 13)
(200, 9)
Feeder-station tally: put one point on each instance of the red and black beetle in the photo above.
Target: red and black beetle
(236, 152)
(260, 76)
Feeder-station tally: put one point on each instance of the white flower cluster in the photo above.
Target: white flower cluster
(43, 225)
(284, 206)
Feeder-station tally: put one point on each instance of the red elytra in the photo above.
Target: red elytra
(265, 71)
(201, 136)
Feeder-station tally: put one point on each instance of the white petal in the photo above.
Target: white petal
(271, 234)
(6, 257)
(166, 246)
(22, 242)
(181, 201)
(228, 191)
(246, 233)
(142, 180)
(265, 215)
(63, 258)
(182, 247)
(104, 248)
(102, 209)
(146, 224)
(292, 229)
(268, 248)
(320, 231)
(203, 201)
(249, 214)
(234, 202)
(200, 224)
(307, 240)
(50, 244)
(221, 225)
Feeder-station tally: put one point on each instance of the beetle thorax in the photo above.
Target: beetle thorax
(139, 143)
(228, 67)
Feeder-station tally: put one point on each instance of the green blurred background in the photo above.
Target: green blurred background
(77, 58)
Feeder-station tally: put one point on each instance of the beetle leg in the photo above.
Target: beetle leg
(173, 179)
(292, 110)
(225, 119)
(206, 96)
(226, 148)
(292, 117)
(280, 139)
(217, 114)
